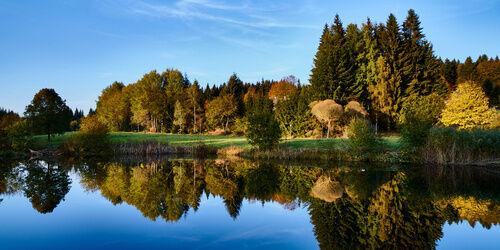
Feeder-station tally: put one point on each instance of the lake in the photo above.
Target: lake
(185, 203)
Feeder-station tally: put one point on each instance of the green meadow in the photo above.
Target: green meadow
(209, 140)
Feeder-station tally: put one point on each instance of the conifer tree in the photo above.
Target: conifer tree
(420, 68)
(343, 70)
(321, 73)
(366, 73)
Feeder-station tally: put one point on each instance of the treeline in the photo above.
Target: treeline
(381, 66)
(385, 72)
(385, 65)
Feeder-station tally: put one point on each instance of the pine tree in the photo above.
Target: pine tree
(358, 51)
(467, 71)
(420, 68)
(343, 70)
(388, 91)
(386, 94)
(320, 74)
(366, 73)
(449, 73)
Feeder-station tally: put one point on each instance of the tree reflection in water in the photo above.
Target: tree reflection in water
(354, 207)
(45, 185)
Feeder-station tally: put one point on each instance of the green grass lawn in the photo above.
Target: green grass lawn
(212, 140)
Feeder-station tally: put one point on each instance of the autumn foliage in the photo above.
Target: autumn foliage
(467, 107)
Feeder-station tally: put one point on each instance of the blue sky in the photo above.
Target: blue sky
(80, 47)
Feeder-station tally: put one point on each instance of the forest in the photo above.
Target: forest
(380, 66)
(387, 74)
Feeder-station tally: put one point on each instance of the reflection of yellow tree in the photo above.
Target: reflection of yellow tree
(486, 212)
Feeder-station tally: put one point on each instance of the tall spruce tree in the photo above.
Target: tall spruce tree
(420, 68)
(358, 51)
(343, 68)
(366, 72)
(323, 63)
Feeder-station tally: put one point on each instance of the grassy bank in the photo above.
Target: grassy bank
(209, 140)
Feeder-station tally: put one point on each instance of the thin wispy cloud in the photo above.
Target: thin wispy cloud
(204, 10)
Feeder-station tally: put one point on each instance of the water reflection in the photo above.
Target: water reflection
(350, 207)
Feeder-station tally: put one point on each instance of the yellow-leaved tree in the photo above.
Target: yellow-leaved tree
(467, 107)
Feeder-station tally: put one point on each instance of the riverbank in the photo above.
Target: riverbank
(232, 147)
(208, 140)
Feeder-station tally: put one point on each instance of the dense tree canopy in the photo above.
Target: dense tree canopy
(48, 114)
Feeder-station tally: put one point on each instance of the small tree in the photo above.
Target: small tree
(48, 113)
(363, 140)
(418, 114)
(467, 107)
(263, 131)
(327, 112)
(179, 116)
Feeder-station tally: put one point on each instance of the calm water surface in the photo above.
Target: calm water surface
(221, 204)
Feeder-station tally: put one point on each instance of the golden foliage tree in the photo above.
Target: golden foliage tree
(284, 88)
(467, 107)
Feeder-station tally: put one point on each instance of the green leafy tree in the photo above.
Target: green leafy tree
(113, 107)
(221, 111)
(194, 100)
(148, 101)
(47, 113)
(418, 114)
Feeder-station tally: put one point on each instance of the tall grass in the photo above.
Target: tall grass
(453, 146)
(161, 148)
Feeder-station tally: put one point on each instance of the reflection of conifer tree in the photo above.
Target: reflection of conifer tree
(45, 186)
(343, 224)
(262, 182)
(404, 222)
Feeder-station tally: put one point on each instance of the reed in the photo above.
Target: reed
(161, 148)
(454, 146)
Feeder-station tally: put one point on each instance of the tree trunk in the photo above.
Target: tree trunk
(328, 132)
(194, 118)
(225, 127)
(48, 136)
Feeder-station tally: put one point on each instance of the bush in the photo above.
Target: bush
(418, 115)
(15, 138)
(90, 140)
(454, 146)
(263, 131)
(19, 137)
(363, 141)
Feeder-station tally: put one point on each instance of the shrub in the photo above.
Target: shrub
(90, 140)
(19, 137)
(454, 146)
(418, 115)
(263, 131)
(363, 141)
